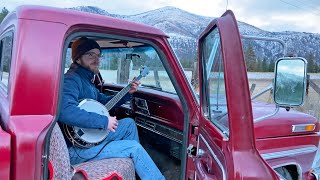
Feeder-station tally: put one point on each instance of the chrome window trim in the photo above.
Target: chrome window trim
(292, 152)
(3, 86)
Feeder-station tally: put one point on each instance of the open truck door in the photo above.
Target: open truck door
(226, 143)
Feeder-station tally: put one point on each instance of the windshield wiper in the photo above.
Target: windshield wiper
(152, 87)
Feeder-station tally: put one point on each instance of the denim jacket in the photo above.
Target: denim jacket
(78, 85)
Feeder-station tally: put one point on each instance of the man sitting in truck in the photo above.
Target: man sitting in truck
(122, 140)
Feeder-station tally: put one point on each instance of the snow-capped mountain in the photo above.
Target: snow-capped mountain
(184, 28)
(92, 9)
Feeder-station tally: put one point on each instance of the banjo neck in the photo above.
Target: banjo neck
(120, 95)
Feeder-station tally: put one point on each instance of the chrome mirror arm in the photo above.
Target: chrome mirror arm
(267, 116)
(270, 87)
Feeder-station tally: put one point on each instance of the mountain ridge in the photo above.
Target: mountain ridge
(184, 29)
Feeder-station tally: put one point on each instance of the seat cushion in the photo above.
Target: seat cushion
(103, 169)
(60, 167)
(59, 156)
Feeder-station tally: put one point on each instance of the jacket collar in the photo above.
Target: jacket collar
(83, 72)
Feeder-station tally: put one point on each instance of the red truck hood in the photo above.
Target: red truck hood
(281, 123)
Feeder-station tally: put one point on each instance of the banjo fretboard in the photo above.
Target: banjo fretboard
(120, 95)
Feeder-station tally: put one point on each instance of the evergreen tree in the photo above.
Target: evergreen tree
(271, 66)
(258, 66)
(250, 58)
(3, 14)
(264, 65)
(186, 63)
(113, 62)
(312, 66)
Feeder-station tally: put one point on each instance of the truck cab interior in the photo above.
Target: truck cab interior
(155, 107)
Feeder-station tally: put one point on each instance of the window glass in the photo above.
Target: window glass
(190, 68)
(6, 54)
(215, 98)
(121, 64)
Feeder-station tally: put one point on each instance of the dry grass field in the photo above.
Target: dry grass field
(312, 100)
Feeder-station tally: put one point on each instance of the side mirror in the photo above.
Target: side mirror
(290, 81)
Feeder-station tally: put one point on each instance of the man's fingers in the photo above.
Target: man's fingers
(114, 127)
(135, 82)
(134, 85)
(113, 124)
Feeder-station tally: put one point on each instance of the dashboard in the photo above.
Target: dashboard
(154, 110)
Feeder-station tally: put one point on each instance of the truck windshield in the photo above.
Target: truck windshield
(136, 57)
(119, 65)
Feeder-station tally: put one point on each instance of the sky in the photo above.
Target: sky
(270, 15)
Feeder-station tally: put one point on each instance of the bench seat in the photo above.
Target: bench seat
(61, 169)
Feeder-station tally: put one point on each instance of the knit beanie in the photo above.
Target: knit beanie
(81, 46)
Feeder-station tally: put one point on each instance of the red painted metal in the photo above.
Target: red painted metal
(5, 149)
(34, 87)
(59, 15)
(283, 120)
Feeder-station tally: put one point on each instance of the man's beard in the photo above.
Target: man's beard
(94, 69)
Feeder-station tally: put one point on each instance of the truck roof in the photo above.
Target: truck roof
(72, 17)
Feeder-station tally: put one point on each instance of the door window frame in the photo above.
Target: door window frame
(3, 86)
(215, 59)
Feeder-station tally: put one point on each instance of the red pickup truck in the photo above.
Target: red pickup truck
(211, 130)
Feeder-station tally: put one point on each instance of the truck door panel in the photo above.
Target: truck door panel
(210, 165)
(210, 161)
(226, 144)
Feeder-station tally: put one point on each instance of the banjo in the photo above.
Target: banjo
(86, 137)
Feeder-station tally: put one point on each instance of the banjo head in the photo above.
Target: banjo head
(91, 105)
(91, 137)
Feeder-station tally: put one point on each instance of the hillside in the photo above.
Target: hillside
(184, 28)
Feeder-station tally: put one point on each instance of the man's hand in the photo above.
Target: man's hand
(112, 123)
(134, 85)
